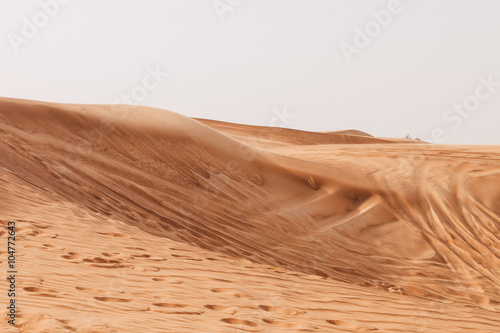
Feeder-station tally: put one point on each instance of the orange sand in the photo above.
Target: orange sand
(134, 219)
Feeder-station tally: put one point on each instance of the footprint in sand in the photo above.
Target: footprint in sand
(104, 263)
(112, 299)
(235, 321)
(114, 234)
(222, 308)
(42, 292)
(135, 248)
(34, 232)
(37, 290)
(170, 305)
(100, 260)
(351, 325)
(177, 306)
(158, 279)
(235, 293)
(144, 268)
(282, 323)
(72, 255)
(281, 310)
(40, 226)
(93, 291)
(222, 291)
(140, 256)
(186, 257)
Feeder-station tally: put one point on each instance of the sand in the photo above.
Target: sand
(135, 219)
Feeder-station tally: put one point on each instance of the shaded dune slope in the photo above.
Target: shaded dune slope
(84, 272)
(411, 219)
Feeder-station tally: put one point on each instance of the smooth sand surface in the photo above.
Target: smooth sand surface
(135, 219)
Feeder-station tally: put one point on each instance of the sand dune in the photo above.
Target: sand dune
(276, 136)
(135, 219)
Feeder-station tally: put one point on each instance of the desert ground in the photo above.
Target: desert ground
(136, 219)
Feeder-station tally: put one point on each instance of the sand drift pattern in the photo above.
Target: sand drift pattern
(394, 215)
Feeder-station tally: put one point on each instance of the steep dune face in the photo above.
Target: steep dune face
(422, 213)
(404, 219)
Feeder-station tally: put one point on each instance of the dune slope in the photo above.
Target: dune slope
(245, 228)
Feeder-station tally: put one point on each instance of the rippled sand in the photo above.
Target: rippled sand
(134, 219)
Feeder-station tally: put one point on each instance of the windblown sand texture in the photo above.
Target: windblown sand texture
(135, 219)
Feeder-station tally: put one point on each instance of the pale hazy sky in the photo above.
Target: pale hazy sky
(428, 68)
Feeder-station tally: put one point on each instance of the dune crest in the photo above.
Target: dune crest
(416, 225)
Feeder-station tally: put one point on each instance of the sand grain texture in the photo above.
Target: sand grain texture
(134, 219)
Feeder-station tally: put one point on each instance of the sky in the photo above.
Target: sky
(429, 68)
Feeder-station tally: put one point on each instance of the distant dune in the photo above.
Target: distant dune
(261, 136)
(135, 219)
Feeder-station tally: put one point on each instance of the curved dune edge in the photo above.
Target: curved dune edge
(193, 219)
(265, 137)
